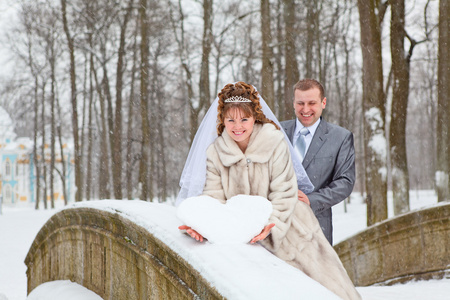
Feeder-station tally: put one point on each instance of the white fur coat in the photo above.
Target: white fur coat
(265, 169)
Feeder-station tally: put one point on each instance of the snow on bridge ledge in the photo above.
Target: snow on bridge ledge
(134, 250)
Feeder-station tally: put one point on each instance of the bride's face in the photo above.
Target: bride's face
(239, 127)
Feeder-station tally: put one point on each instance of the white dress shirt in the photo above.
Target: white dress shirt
(308, 138)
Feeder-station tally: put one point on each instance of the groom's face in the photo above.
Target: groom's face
(308, 106)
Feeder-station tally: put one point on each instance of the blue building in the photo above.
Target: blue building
(18, 170)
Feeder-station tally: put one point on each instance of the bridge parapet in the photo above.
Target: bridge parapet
(415, 245)
(112, 256)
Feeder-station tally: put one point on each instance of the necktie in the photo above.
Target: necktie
(301, 143)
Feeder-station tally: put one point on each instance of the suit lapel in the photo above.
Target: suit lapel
(289, 128)
(319, 138)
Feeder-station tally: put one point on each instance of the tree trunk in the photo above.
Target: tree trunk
(180, 39)
(158, 152)
(35, 150)
(400, 94)
(131, 117)
(374, 113)
(52, 124)
(204, 91)
(43, 156)
(103, 175)
(73, 87)
(36, 119)
(86, 75)
(267, 84)
(443, 113)
(291, 66)
(63, 160)
(311, 21)
(89, 162)
(144, 73)
(117, 136)
(280, 105)
(107, 97)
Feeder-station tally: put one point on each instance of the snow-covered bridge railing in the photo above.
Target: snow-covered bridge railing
(133, 250)
(415, 245)
(112, 256)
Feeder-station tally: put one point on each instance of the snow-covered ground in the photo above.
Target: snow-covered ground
(19, 225)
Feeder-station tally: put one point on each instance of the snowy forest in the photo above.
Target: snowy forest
(129, 82)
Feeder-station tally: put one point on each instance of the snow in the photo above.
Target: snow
(373, 116)
(239, 220)
(441, 179)
(19, 225)
(6, 126)
(62, 289)
(377, 140)
(220, 263)
(378, 144)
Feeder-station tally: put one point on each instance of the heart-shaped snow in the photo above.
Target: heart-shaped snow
(238, 221)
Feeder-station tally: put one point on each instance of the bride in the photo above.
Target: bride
(240, 149)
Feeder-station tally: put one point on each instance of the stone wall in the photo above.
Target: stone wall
(111, 256)
(415, 245)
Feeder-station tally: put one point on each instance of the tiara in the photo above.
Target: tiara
(237, 99)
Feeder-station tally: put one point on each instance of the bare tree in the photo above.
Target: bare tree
(117, 130)
(267, 83)
(43, 146)
(443, 113)
(312, 25)
(291, 65)
(144, 71)
(62, 173)
(34, 70)
(374, 110)
(90, 138)
(204, 89)
(73, 87)
(36, 162)
(131, 116)
(401, 62)
(179, 32)
(103, 171)
(279, 54)
(400, 94)
(158, 143)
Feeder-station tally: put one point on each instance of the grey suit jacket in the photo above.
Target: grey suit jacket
(330, 165)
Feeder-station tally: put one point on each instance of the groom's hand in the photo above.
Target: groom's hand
(194, 234)
(302, 197)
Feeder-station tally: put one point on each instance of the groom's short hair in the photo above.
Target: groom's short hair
(307, 84)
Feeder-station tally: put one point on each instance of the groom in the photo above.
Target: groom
(329, 153)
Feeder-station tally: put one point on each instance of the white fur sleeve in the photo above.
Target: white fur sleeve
(213, 184)
(282, 194)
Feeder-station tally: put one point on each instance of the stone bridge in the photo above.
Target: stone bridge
(133, 250)
(415, 245)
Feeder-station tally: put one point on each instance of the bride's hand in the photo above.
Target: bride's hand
(264, 233)
(192, 232)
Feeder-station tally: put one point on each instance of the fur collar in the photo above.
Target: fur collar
(263, 142)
